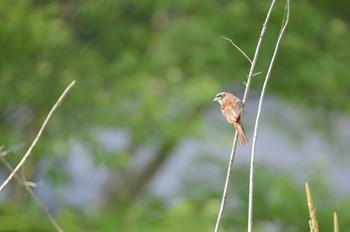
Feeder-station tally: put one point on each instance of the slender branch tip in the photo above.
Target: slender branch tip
(238, 48)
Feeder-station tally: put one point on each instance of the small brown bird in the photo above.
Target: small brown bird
(231, 108)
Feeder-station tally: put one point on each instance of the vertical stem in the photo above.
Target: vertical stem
(251, 176)
(336, 224)
(228, 175)
(312, 211)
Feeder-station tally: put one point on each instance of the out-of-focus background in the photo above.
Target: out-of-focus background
(138, 145)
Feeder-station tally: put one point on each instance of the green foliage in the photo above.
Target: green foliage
(278, 202)
(136, 62)
(16, 217)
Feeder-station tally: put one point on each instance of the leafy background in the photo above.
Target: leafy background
(150, 69)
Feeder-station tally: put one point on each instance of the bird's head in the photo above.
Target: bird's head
(220, 96)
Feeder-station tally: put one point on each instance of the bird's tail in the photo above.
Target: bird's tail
(241, 134)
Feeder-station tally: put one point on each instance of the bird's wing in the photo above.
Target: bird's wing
(232, 110)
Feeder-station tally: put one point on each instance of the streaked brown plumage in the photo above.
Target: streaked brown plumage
(231, 108)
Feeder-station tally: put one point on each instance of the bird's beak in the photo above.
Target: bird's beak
(215, 99)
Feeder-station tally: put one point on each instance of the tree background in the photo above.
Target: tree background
(150, 70)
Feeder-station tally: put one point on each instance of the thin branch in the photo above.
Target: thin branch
(239, 49)
(23, 182)
(257, 50)
(59, 101)
(234, 144)
(312, 211)
(228, 176)
(255, 74)
(251, 176)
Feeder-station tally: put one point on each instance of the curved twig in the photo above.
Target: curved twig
(251, 177)
(239, 49)
(26, 155)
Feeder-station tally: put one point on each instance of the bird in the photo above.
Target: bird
(231, 108)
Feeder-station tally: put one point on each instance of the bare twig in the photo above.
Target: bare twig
(228, 176)
(225, 38)
(59, 101)
(234, 143)
(23, 182)
(336, 224)
(257, 50)
(251, 176)
(312, 211)
(9, 167)
(255, 74)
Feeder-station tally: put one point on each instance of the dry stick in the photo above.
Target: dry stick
(251, 177)
(238, 48)
(34, 196)
(228, 175)
(257, 50)
(234, 144)
(37, 137)
(336, 224)
(312, 211)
